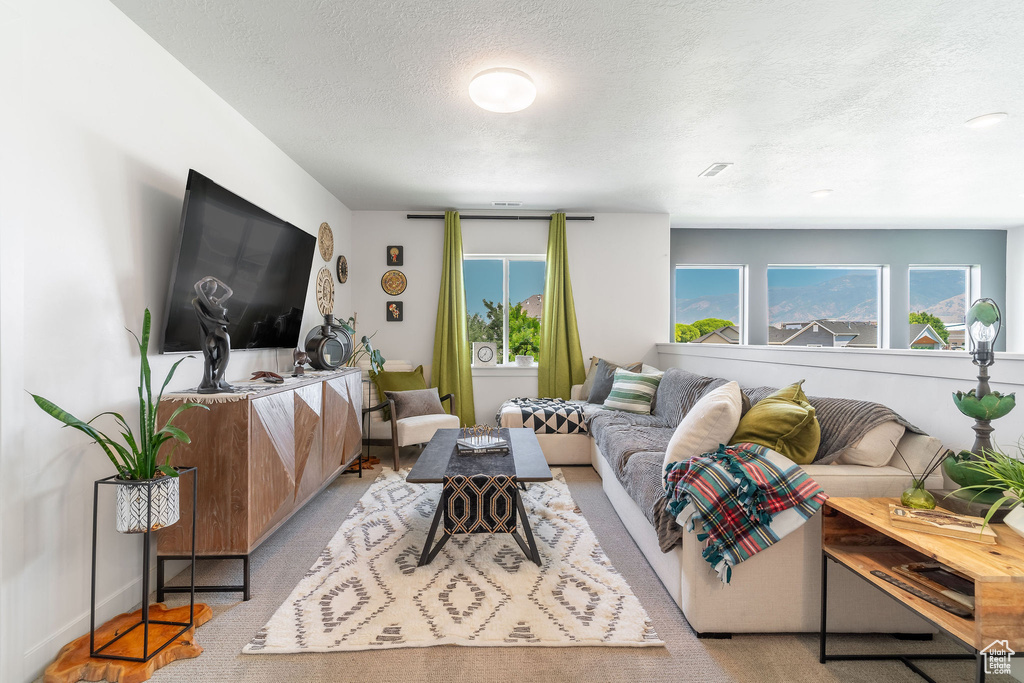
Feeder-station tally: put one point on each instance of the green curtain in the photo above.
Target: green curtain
(560, 365)
(451, 372)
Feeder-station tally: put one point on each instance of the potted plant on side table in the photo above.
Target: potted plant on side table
(1006, 472)
(137, 459)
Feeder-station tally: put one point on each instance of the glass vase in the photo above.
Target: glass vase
(917, 497)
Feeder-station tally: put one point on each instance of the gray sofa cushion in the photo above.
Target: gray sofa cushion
(619, 439)
(604, 377)
(843, 421)
(679, 391)
(643, 482)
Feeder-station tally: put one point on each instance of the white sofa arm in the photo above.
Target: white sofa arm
(918, 449)
(576, 393)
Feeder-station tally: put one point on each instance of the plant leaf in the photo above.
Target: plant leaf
(175, 433)
(168, 470)
(170, 374)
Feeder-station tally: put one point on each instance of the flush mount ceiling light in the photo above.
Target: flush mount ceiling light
(986, 120)
(502, 90)
(818, 194)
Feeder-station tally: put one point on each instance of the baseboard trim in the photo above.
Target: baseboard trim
(118, 602)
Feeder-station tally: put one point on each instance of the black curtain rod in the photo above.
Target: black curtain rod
(440, 216)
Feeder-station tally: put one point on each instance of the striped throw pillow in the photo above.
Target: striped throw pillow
(632, 392)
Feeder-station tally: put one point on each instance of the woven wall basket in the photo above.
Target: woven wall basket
(131, 504)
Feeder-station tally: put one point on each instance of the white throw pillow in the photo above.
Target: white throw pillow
(710, 423)
(875, 449)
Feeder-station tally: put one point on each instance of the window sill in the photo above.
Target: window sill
(507, 370)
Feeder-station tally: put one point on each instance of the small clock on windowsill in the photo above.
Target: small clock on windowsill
(485, 354)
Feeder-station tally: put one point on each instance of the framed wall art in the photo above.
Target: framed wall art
(393, 282)
(396, 255)
(395, 312)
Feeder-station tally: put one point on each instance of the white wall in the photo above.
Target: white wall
(916, 384)
(618, 264)
(1014, 289)
(100, 126)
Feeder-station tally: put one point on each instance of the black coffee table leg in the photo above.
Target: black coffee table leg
(532, 552)
(428, 555)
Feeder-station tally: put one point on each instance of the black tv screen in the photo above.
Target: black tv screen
(264, 260)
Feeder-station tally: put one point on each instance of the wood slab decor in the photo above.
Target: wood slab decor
(73, 662)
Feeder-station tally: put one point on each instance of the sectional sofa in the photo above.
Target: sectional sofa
(777, 590)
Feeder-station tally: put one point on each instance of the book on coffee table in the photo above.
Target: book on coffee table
(942, 523)
(481, 445)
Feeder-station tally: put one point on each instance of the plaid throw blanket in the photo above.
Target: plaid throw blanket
(543, 415)
(747, 498)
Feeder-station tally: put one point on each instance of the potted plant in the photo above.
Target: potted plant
(141, 474)
(1005, 472)
(365, 348)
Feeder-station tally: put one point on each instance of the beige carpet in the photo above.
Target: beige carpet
(281, 562)
(366, 592)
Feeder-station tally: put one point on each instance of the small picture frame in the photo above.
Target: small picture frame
(395, 255)
(395, 311)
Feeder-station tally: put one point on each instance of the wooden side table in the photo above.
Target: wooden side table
(856, 534)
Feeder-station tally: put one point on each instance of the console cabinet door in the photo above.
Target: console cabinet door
(272, 470)
(308, 441)
(343, 402)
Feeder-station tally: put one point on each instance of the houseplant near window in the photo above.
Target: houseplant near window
(140, 472)
(1006, 472)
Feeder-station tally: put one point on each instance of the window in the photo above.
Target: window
(939, 298)
(709, 304)
(504, 298)
(836, 306)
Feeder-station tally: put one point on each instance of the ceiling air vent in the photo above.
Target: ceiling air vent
(713, 170)
(506, 205)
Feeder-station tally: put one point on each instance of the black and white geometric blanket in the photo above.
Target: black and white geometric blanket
(543, 415)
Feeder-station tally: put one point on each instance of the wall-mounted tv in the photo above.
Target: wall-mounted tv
(266, 261)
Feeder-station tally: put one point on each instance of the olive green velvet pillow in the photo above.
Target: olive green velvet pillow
(785, 422)
(397, 381)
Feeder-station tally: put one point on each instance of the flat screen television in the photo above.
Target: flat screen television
(264, 260)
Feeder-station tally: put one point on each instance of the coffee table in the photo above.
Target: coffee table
(527, 464)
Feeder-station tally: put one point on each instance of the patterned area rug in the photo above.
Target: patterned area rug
(366, 593)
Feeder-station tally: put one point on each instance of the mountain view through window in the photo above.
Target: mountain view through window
(823, 306)
(938, 300)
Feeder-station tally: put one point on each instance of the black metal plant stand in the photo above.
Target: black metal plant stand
(146, 545)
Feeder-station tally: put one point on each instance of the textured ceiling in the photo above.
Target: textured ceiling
(634, 100)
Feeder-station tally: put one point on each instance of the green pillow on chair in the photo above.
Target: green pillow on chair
(397, 381)
(785, 422)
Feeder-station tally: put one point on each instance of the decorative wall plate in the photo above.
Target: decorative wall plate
(394, 282)
(342, 268)
(325, 292)
(326, 239)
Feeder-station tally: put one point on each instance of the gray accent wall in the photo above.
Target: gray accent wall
(897, 249)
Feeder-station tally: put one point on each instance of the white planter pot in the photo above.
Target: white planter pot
(1015, 519)
(132, 497)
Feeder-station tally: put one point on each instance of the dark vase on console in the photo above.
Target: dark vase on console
(329, 346)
